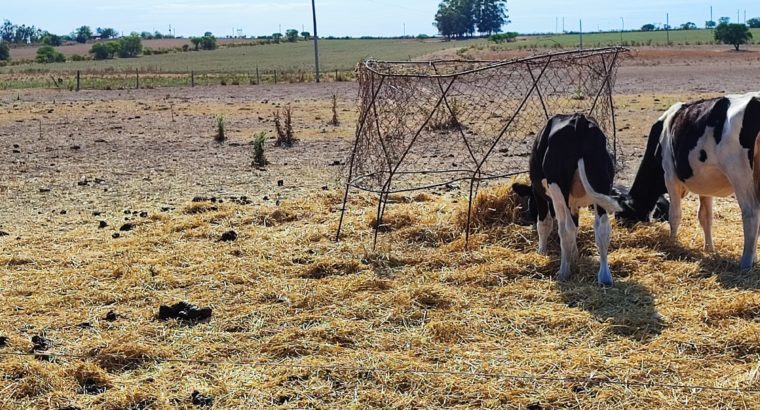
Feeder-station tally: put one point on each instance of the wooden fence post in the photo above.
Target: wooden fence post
(192, 78)
(275, 76)
(137, 71)
(258, 79)
(77, 80)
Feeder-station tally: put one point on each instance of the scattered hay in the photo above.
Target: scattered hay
(91, 379)
(433, 296)
(394, 220)
(328, 267)
(496, 205)
(195, 208)
(745, 306)
(123, 355)
(27, 379)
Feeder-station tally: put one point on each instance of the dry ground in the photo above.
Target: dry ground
(337, 324)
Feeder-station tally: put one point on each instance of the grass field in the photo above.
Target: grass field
(335, 55)
(293, 62)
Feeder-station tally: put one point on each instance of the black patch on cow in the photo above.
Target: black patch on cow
(750, 128)
(649, 183)
(556, 152)
(702, 156)
(689, 125)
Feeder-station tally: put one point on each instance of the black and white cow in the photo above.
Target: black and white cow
(710, 148)
(570, 168)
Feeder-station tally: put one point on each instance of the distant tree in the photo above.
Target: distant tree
(688, 26)
(456, 18)
(157, 35)
(724, 20)
(208, 34)
(47, 54)
(491, 15)
(208, 42)
(648, 27)
(7, 31)
(196, 41)
(306, 35)
(291, 35)
(146, 35)
(82, 34)
(754, 22)
(130, 46)
(5, 52)
(734, 34)
(52, 40)
(114, 48)
(108, 32)
(277, 37)
(710, 24)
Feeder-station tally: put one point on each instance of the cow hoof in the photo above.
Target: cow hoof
(604, 278)
(563, 276)
(543, 252)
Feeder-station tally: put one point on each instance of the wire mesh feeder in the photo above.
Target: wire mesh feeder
(430, 124)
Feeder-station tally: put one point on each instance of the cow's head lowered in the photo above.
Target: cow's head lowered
(529, 212)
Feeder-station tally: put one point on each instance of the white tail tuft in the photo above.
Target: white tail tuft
(608, 203)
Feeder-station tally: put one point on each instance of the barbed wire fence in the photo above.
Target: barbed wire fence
(425, 125)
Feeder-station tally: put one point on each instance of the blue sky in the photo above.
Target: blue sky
(349, 17)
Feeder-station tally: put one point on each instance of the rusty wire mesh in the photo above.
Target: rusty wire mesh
(429, 124)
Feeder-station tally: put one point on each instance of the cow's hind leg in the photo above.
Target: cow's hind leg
(706, 220)
(602, 231)
(751, 221)
(567, 229)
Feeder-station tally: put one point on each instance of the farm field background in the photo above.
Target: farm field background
(301, 321)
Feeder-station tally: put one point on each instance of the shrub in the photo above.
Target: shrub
(220, 137)
(208, 42)
(130, 46)
(291, 35)
(5, 52)
(259, 146)
(47, 54)
(335, 121)
(52, 40)
(82, 34)
(285, 135)
(77, 57)
(100, 51)
(504, 37)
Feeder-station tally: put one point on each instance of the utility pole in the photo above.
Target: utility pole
(404, 29)
(563, 25)
(316, 39)
(711, 14)
(581, 28)
(556, 25)
(622, 20)
(667, 26)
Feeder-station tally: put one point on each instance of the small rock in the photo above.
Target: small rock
(44, 189)
(115, 235)
(280, 183)
(97, 213)
(85, 325)
(3, 233)
(143, 214)
(64, 212)
(229, 236)
(102, 224)
(201, 400)
(75, 147)
(3, 341)
(127, 227)
(111, 316)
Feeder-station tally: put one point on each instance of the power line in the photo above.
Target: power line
(527, 377)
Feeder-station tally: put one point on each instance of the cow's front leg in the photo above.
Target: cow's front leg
(674, 215)
(751, 221)
(544, 225)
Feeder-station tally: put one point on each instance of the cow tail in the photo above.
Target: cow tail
(607, 202)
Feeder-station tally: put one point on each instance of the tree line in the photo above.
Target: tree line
(460, 18)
